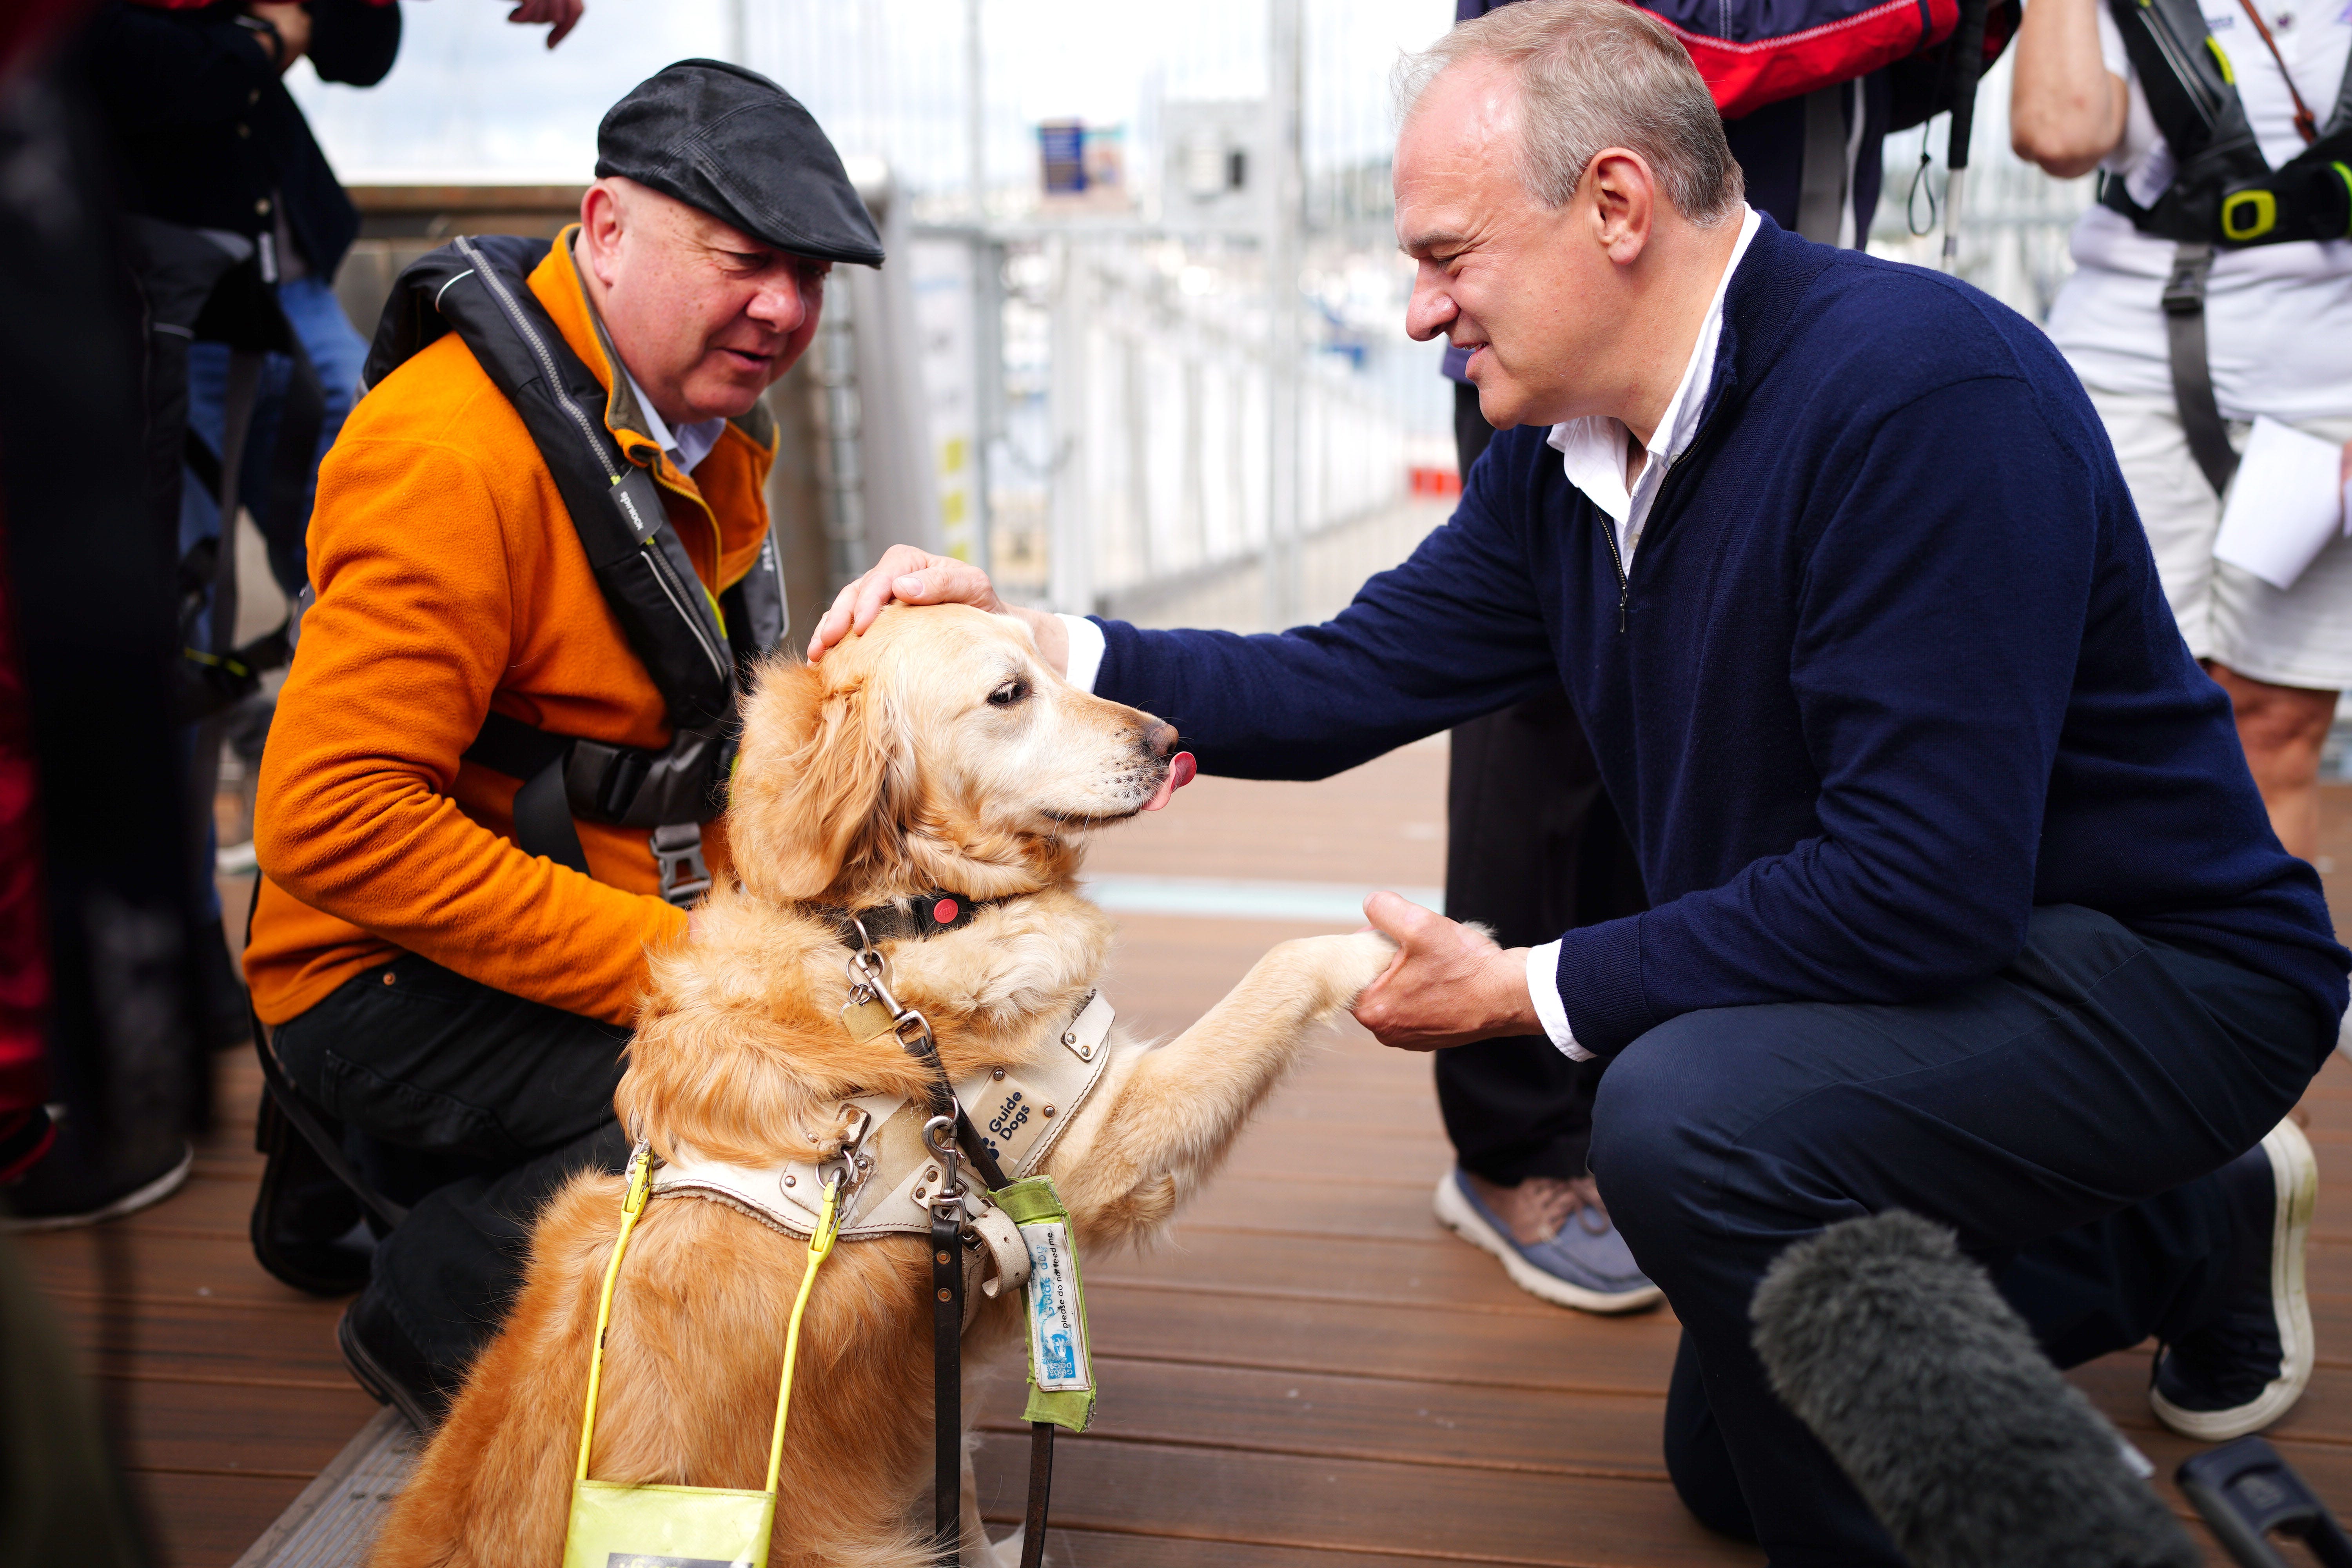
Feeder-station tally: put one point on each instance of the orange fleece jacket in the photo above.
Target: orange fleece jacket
(450, 581)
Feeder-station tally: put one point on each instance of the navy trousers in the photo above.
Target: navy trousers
(2064, 1116)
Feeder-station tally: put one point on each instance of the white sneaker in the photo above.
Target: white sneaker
(2247, 1367)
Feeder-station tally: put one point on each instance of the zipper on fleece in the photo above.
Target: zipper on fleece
(1609, 533)
(1675, 470)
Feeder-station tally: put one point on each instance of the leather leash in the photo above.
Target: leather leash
(950, 1136)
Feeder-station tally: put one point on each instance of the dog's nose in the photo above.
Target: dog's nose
(1161, 738)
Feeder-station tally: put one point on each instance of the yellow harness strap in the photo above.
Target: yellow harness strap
(820, 1246)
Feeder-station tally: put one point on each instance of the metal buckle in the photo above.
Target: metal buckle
(677, 851)
(852, 1164)
(867, 967)
(946, 1201)
(870, 973)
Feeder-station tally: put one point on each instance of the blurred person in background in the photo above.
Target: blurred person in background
(240, 225)
(97, 1051)
(2182, 337)
(105, 969)
(1534, 846)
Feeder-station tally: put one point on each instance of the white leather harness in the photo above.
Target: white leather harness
(1019, 1112)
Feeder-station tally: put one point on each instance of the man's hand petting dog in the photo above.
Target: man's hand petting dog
(906, 575)
(1448, 985)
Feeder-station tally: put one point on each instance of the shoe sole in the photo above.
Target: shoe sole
(2295, 1175)
(369, 1374)
(132, 1202)
(1455, 1213)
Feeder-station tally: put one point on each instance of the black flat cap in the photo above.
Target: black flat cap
(734, 144)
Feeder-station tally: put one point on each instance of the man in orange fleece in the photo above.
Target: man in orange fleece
(459, 1004)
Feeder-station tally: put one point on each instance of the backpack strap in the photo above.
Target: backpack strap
(2192, 371)
(479, 286)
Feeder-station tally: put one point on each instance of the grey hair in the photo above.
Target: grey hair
(1593, 74)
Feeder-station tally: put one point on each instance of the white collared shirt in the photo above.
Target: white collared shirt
(1593, 455)
(690, 444)
(1593, 450)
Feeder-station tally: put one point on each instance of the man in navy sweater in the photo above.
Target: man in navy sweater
(1962, 898)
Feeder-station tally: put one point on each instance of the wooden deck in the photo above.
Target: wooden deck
(1309, 1373)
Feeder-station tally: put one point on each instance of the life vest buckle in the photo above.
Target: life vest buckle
(677, 851)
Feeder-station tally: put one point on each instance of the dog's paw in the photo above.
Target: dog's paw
(1348, 963)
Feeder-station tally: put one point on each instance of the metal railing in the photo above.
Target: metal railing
(1142, 425)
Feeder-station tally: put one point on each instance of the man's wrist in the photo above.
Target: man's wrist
(1542, 972)
(1082, 649)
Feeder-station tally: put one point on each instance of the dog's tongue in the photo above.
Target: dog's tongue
(1180, 768)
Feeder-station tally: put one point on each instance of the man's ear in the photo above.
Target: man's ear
(809, 784)
(602, 217)
(1625, 197)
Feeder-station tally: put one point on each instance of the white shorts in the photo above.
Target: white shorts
(2302, 637)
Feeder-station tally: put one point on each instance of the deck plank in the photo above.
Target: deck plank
(1098, 1549)
(1448, 1425)
(1357, 1505)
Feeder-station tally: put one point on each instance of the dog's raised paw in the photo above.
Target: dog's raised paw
(1354, 963)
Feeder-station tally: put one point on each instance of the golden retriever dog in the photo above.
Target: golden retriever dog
(935, 752)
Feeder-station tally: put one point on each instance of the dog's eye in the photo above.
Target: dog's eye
(1006, 695)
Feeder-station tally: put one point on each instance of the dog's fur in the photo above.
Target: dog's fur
(936, 750)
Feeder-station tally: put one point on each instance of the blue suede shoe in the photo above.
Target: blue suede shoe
(1585, 1265)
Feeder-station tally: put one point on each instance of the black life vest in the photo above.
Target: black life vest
(2225, 193)
(479, 287)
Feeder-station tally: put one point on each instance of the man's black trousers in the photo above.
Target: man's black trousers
(1533, 848)
(2064, 1117)
(469, 1105)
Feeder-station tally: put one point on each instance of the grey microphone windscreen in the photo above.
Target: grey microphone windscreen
(1929, 1391)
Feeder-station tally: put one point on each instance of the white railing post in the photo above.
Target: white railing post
(1070, 548)
(1285, 217)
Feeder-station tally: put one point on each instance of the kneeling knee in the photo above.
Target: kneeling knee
(1660, 1123)
(1646, 1154)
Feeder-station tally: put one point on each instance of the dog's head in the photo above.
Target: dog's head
(936, 750)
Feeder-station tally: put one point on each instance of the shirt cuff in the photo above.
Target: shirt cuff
(1543, 986)
(1086, 648)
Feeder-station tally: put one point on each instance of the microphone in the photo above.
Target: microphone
(1929, 1391)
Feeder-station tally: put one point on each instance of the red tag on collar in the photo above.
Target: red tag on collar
(944, 911)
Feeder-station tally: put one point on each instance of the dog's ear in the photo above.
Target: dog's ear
(814, 766)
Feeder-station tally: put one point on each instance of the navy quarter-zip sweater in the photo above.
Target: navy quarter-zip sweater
(1892, 668)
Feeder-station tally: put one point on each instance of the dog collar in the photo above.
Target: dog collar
(924, 915)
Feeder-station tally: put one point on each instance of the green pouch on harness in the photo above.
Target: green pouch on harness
(1061, 1363)
(619, 1526)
